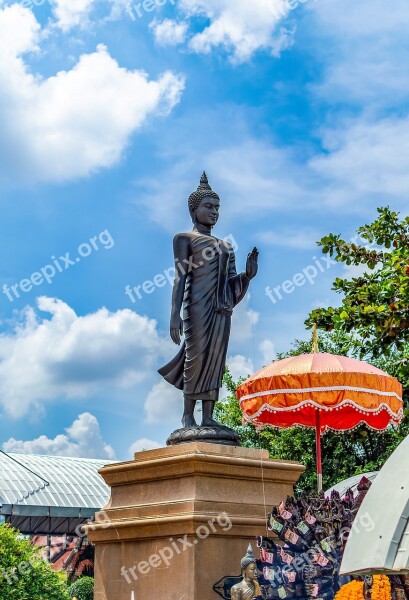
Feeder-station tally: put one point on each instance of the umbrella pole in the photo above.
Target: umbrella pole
(318, 449)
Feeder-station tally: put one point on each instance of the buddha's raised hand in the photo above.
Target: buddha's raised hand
(252, 264)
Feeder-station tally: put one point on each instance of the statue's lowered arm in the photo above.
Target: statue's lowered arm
(181, 253)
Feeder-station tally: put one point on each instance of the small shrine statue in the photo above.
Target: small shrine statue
(249, 588)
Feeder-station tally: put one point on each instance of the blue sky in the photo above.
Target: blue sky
(297, 111)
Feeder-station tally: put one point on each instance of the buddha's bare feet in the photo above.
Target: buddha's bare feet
(189, 421)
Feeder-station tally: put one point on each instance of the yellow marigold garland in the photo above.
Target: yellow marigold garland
(381, 588)
(354, 590)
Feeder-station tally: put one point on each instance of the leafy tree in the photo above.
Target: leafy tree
(375, 305)
(24, 574)
(344, 455)
(82, 589)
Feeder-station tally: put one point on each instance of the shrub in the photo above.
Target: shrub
(83, 589)
(24, 574)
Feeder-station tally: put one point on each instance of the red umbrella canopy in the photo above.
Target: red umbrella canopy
(345, 391)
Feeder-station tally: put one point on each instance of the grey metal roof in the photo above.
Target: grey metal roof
(380, 540)
(35, 485)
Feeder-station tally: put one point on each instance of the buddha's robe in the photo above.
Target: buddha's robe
(243, 591)
(212, 290)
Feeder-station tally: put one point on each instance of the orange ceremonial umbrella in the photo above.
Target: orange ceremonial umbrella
(323, 391)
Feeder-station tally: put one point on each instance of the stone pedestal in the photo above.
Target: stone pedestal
(180, 518)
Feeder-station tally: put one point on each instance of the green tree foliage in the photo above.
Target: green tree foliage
(375, 305)
(24, 575)
(83, 589)
(344, 455)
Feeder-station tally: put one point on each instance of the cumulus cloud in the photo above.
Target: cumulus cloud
(76, 122)
(239, 26)
(250, 176)
(354, 271)
(71, 13)
(244, 321)
(83, 440)
(143, 444)
(68, 356)
(268, 350)
(163, 403)
(366, 160)
(169, 32)
(240, 366)
(258, 170)
(295, 237)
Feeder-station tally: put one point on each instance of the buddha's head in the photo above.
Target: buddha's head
(204, 204)
(249, 565)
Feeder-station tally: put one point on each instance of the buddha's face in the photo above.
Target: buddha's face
(251, 572)
(207, 213)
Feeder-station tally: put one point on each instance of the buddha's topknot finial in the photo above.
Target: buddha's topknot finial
(249, 558)
(204, 180)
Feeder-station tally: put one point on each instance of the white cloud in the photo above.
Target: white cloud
(143, 444)
(295, 237)
(68, 356)
(369, 53)
(238, 26)
(353, 271)
(268, 350)
(76, 122)
(71, 13)
(164, 404)
(83, 440)
(366, 162)
(169, 32)
(240, 366)
(244, 321)
(365, 159)
(256, 174)
(19, 32)
(250, 176)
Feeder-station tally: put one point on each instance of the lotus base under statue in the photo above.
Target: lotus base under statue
(210, 435)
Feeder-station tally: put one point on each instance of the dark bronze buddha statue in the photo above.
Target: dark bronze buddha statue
(206, 290)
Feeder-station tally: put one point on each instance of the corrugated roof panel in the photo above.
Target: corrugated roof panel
(72, 482)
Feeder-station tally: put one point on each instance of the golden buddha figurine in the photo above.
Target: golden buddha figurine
(248, 588)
